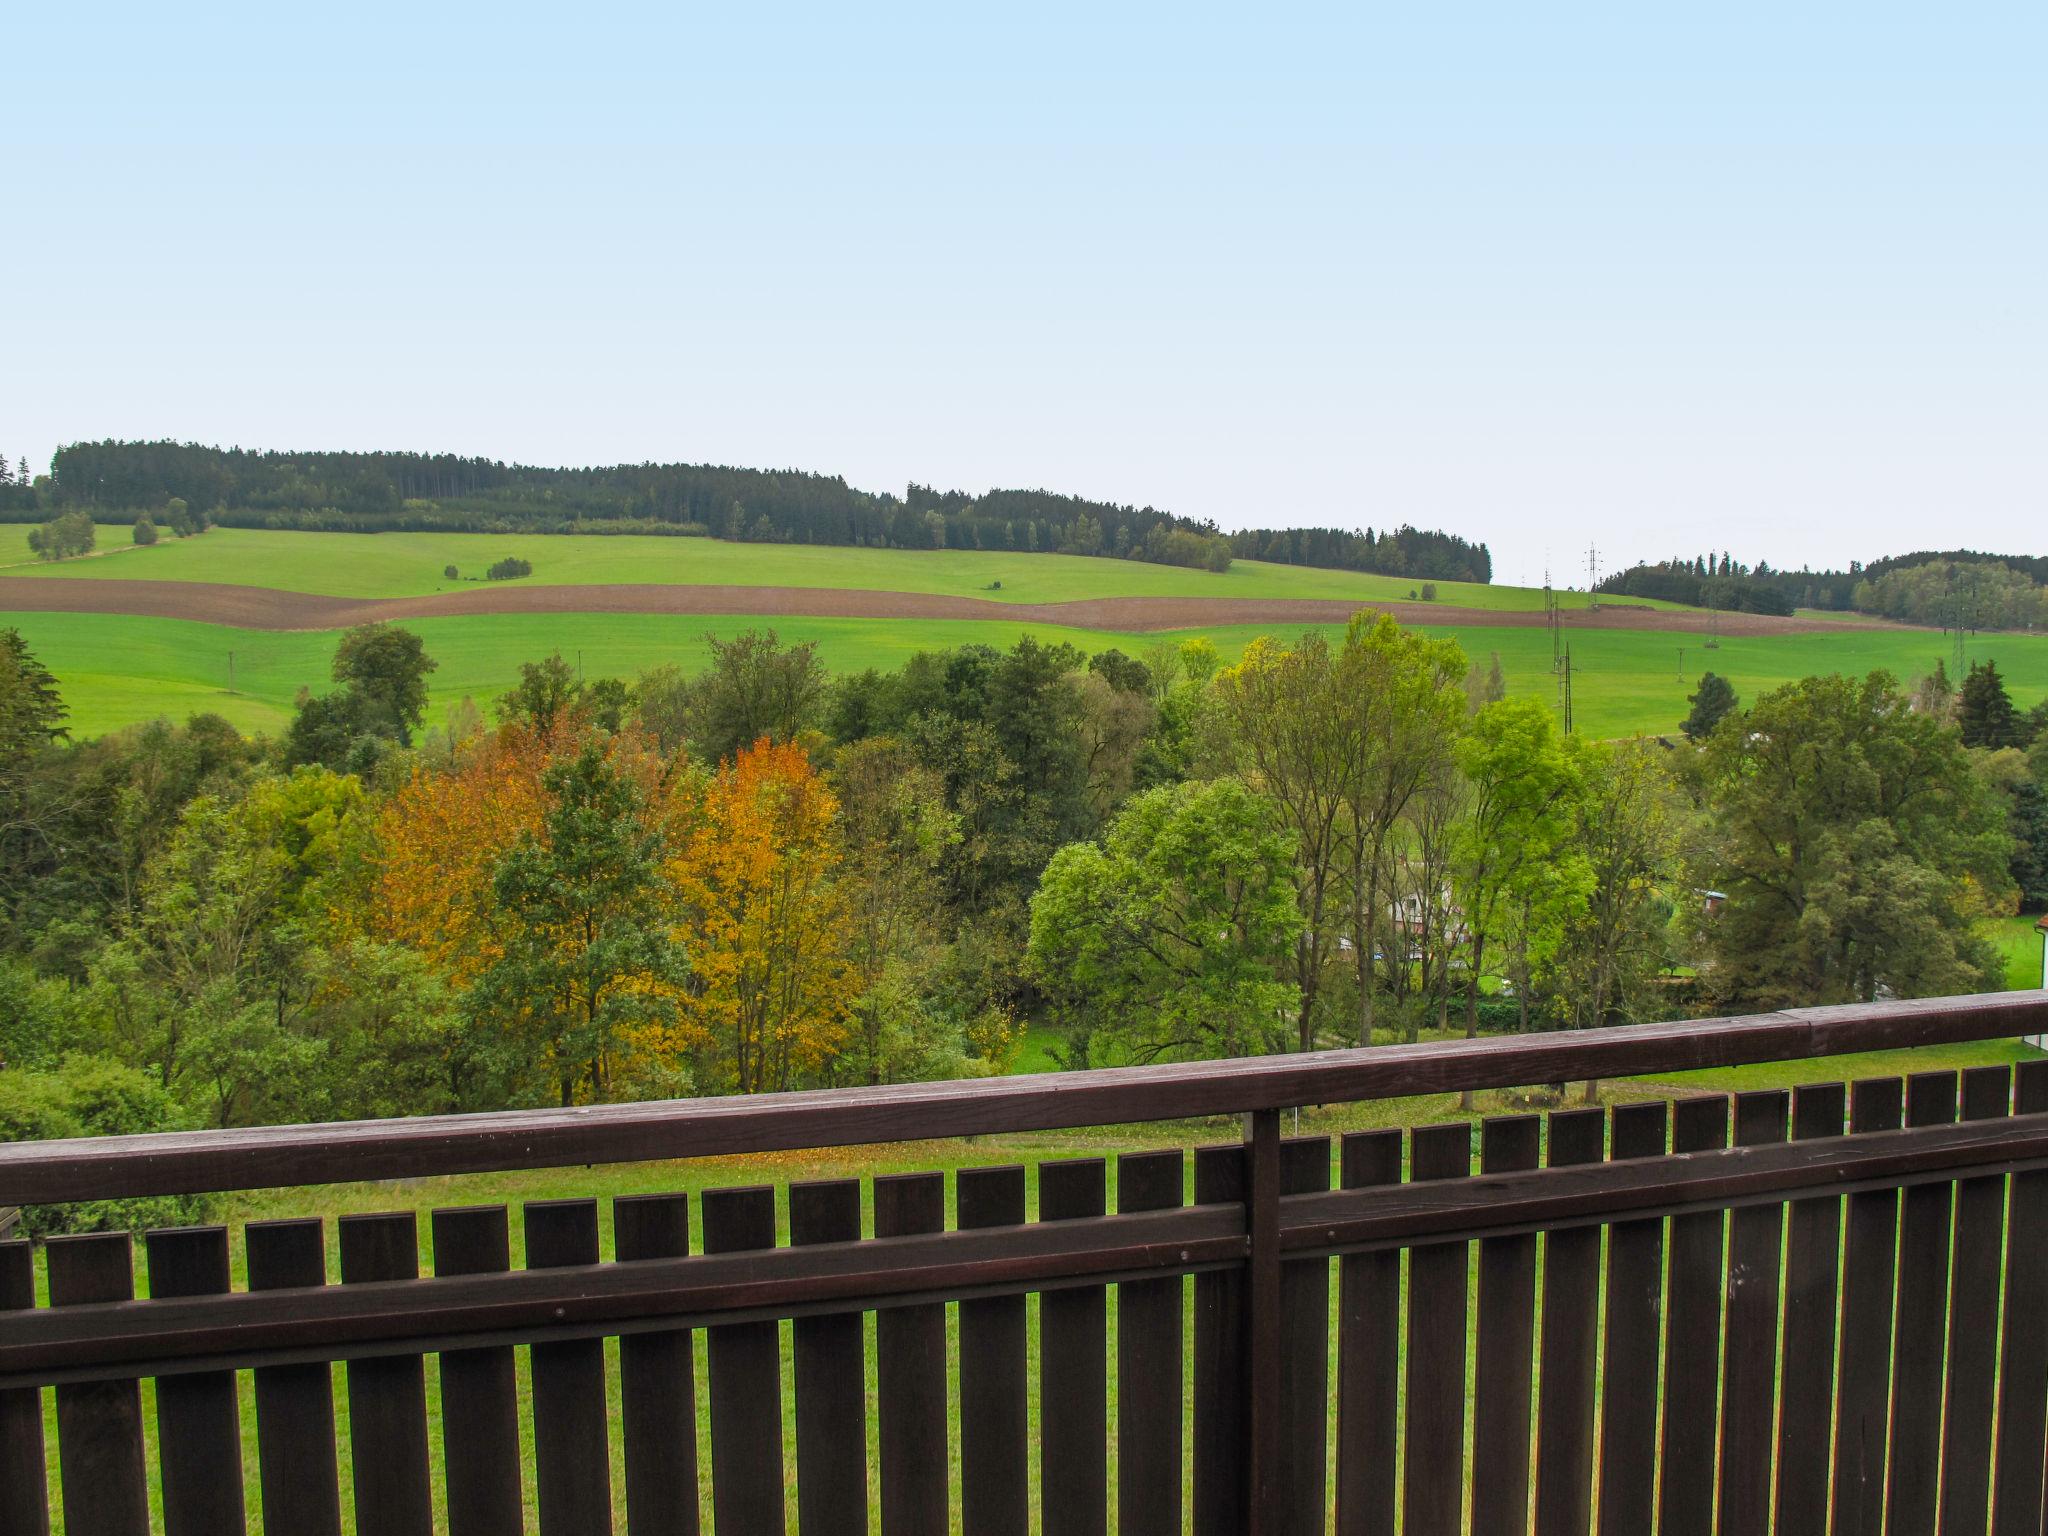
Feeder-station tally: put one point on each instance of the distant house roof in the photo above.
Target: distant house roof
(2043, 923)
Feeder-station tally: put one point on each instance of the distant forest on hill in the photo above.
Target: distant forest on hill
(1929, 586)
(382, 492)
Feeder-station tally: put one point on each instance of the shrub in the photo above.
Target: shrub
(451, 573)
(145, 530)
(1429, 591)
(510, 569)
(63, 537)
(94, 1096)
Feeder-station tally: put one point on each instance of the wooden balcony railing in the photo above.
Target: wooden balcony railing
(1817, 1311)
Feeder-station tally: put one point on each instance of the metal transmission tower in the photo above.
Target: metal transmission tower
(1592, 577)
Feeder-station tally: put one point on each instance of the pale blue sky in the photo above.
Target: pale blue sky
(1765, 277)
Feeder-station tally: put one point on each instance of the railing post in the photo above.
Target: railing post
(1262, 1321)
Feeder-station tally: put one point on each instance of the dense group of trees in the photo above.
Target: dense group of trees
(1952, 589)
(1402, 551)
(377, 492)
(758, 876)
(1704, 582)
(1956, 594)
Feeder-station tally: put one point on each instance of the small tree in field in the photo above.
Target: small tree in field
(145, 530)
(1715, 699)
(451, 573)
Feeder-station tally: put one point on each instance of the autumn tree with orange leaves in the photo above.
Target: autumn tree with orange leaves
(766, 924)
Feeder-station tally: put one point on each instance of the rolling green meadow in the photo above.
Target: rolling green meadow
(116, 669)
(411, 565)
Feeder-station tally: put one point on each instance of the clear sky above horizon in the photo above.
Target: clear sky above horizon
(1758, 277)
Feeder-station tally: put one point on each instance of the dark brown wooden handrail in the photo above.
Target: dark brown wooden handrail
(192, 1162)
(145, 1338)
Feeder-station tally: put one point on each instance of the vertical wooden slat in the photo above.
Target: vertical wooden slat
(1148, 1353)
(295, 1448)
(1073, 1365)
(1368, 1355)
(479, 1387)
(831, 1375)
(1304, 1356)
(1433, 1467)
(2023, 1346)
(1570, 1336)
(1756, 1239)
(571, 1436)
(1870, 1253)
(24, 1493)
(1635, 1315)
(1912, 1482)
(387, 1397)
(1262, 1331)
(1692, 1346)
(99, 1423)
(1812, 1273)
(745, 1365)
(198, 1420)
(1219, 1487)
(657, 1382)
(1972, 1337)
(995, 1430)
(910, 1350)
(1506, 1346)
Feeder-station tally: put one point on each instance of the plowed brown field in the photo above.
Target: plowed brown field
(267, 608)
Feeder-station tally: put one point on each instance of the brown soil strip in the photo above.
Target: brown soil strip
(267, 608)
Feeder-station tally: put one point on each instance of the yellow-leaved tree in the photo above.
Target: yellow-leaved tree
(765, 924)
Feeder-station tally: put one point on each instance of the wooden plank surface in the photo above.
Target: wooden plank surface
(1502, 1390)
(1149, 1362)
(1433, 1462)
(1569, 1338)
(657, 1381)
(2016, 1506)
(1220, 1431)
(1304, 1355)
(1812, 1283)
(995, 1432)
(1756, 1241)
(1862, 1396)
(99, 1424)
(831, 1375)
(24, 1495)
(295, 1444)
(387, 1397)
(479, 1387)
(1975, 1284)
(744, 1361)
(1368, 1354)
(1919, 1341)
(1692, 1340)
(198, 1419)
(1634, 1341)
(910, 1348)
(571, 1432)
(1073, 1478)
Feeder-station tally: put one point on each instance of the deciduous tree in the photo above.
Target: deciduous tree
(1166, 939)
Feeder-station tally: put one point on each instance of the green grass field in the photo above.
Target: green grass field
(411, 564)
(118, 669)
